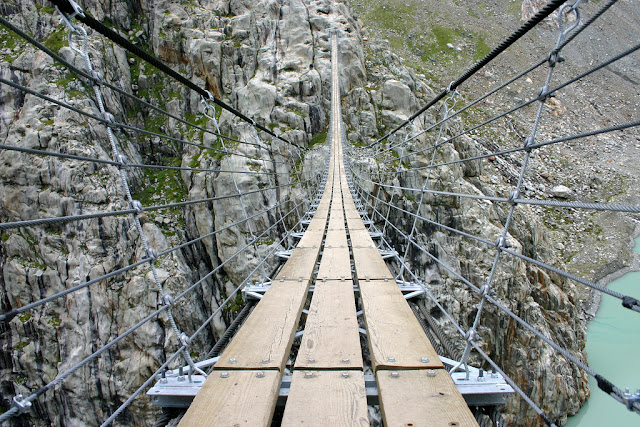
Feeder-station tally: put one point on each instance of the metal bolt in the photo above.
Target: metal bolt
(345, 360)
(266, 360)
(425, 360)
(312, 360)
(260, 374)
(395, 374)
(233, 360)
(308, 374)
(224, 374)
(391, 359)
(345, 374)
(431, 373)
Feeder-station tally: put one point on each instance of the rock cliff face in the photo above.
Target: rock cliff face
(270, 60)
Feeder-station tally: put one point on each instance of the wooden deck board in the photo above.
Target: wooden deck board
(361, 238)
(369, 264)
(327, 399)
(331, 331)
(301, 264)
(413, 398)
(396, 339)
(335, 263)
(242, 399)
(312, 238)
(354, 223)
(264, 340)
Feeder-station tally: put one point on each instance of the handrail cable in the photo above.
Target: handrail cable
(109, 120)
(462, 333)
(11, 314)
(549, 203)
(543, 95)
(570, 38)
(66, 7)
(10, 413)
(202, 326)
(627, 301)
(547, 10)
(96, 79)
(485, 296)
(72, 218)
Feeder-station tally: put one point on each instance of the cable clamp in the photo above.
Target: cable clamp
(66, 19)
(122, 159)
(631, 398)
(630, 302)
(502, 242)
(184, 339)
(528, 143)
(152, 254)
(555, 58)
(450, 87)
(135, 204)
(543, 93)
(109, 118)
(487, 291)
(515, 194)
(167, 299)
(471, 335)
(97, 77)
(21, 404)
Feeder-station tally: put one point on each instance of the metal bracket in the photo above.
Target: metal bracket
(481, 389)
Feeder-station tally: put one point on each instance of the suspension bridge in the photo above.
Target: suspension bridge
(341, 323)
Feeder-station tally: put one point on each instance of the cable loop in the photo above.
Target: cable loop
(184, 339)
(64, 19)
(515, 194)
(21, 404)
(152, 254)
(167, 299)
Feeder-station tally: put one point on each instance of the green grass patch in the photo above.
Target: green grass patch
(162, 185)
(56, 40)
(319, 138)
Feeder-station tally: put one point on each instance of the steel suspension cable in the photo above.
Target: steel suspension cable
(203, 325)
(549, 203)
(603, 383)
(570, 38)
(95, 78)
(67, 373)
(11, 314)
(66, 7)
(547, 10)
(109, 120)
(543, 95)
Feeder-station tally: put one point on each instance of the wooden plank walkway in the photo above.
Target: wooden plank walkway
(327, 387)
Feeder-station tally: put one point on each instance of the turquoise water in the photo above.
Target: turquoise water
(613, 346)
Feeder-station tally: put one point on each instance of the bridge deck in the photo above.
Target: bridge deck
(328, 385)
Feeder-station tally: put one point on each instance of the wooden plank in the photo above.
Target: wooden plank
(326, 399)
(355, 223)
(312, 238)
(335, 263)
(396, 339)
(369, 264)
(265, 338)
(331, 339)
(413, 398)
(300, 265)
(335, 238)
(361, 238)
(243, 398)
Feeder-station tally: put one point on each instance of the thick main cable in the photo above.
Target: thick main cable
(88, 20)
(515, 36)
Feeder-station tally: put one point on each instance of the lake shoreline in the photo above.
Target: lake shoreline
(596, 296)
